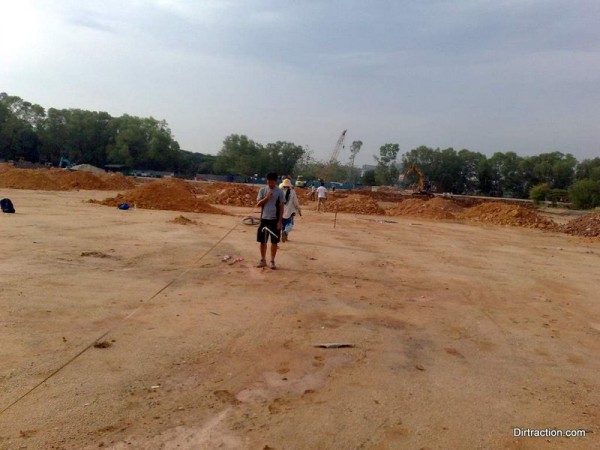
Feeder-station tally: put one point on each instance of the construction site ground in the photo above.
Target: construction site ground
(460, 332)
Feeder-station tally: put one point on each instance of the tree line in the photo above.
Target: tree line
(30, 132)
(546, 176)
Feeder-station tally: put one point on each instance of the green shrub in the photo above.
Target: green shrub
(585, 194)
(539, 192)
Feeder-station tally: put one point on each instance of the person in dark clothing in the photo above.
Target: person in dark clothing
(271, 200)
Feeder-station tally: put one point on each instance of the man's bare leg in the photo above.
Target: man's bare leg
(273, 251)
(263, 250)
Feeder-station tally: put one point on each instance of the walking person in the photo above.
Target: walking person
(321, 196)
(312, 193)
(292, 206)
(271, 199)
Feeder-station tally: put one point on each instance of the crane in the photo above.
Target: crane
(338, 147)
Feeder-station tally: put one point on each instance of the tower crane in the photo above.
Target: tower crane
(338, 147)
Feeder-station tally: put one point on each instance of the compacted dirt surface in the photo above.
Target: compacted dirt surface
(148, 329)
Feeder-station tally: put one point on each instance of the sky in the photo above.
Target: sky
(486, 75)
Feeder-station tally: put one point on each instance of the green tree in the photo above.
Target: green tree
(282, 157)
(240, 156)
(507, 177)
(190, 164)
(386, 172)
(18, 126)
(54, 135)
(353, 175)
(585, 194)
(368, 178)
(473, 172)
(449, 175)
(443, 168)
(554, 168)
(485, 175)
(354, 150)
(333, 171)
(588, 168)
(539, 192)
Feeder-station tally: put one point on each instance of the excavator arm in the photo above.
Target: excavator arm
(420, 191)
(413, 168)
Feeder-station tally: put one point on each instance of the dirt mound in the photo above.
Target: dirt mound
(234, 195)
(356, 204)
(27, 179)
(436, 208)
(169, 194)
(79, 180)
(88, 168)
(382, 196)
(62, 180)
(182, 220)
(67, 180)
(588, 225)
(505, 214)
(117, 181)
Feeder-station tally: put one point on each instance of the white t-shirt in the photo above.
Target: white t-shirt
(322, 192)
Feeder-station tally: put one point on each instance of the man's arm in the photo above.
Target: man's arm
(265, 199)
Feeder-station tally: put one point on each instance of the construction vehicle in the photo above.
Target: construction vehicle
(420, 189)
(64, 163)
(300, 182)
(338, 148)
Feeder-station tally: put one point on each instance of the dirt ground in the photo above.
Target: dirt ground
(460, 332)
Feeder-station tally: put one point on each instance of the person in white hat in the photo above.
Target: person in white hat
(291, 208)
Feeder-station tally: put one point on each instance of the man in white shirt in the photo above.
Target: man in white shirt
(321, 196)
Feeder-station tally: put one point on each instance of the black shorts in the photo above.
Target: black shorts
(263, 235)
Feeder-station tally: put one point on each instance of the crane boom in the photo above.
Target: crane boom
(338, 147)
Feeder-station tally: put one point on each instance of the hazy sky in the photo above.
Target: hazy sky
(487, 75)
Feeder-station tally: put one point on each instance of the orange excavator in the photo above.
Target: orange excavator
(420, 190)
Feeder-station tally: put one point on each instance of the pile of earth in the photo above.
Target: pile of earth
(435, 208)
(234, 195)
(90, 181)
(205, 188)
(62, 180)
(507, 214)
(170, 194)
(182, 220)
(303, 195)
(356, 204)
(27, 179)
(382, 196)
(588, 225)
(88, 168)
